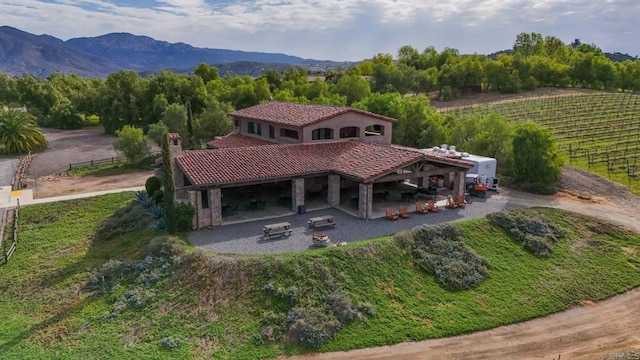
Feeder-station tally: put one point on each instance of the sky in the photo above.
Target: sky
(339, 30)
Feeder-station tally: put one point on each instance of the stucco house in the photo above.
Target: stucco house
(303, 150)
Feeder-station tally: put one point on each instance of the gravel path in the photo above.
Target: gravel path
(246, 238)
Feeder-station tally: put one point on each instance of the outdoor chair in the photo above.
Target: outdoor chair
(431, 206)
(420, 209)
(461, 201)
(391, 215)
(404, 213)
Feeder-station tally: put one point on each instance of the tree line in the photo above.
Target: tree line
(197, 105)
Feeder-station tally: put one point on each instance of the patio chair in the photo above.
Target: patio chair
(451, 204)
(420, 209)
(391, 215)
(404, 213)
(461, 201)
(431, 206)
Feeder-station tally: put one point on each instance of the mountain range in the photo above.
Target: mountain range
(96, 57)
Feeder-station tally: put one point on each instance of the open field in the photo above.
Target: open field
(596, 131)
(191, 304)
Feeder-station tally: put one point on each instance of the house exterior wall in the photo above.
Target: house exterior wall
(361, 121)
(305, 135)
(242, 126)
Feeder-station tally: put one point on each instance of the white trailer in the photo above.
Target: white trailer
(484, 167)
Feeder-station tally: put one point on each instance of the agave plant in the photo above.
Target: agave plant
(156, 211)
(19, 133)
(144, 199)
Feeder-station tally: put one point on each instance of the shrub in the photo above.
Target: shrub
(152, 184)
(447, 93)
(440, 251)
(125, 220)
(537, 235)
(184, 216)
(311, 327)
(171, 342)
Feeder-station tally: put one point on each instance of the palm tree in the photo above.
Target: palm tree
(19, 133)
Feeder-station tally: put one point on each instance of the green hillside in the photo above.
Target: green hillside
(596, 131)
(79, 287)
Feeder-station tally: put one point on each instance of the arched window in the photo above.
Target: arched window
(374, 130)
(349, 132)
(322, 134)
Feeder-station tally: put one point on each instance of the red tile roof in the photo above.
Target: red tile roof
(174, 136)
(358, 160)
(296, 114)
(237, 140)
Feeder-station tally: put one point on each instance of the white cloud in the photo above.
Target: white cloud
(337, 29)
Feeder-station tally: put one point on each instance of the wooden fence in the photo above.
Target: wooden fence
(4, 222)
(96, 162)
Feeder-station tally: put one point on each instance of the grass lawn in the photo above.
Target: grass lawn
(179, 302)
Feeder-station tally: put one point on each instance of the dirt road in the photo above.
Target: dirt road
(588, 332)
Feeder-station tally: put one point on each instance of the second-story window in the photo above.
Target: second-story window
(288, 133)
(272, 131)
(322, 134)
(254, 128)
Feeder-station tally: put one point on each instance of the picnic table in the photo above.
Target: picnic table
(321, 221)
(277, 229)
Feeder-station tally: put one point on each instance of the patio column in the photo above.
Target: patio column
(195, 223)
(333, 196)
(365, 199)
(458, 183)
(215, 203)
(420, 182)
(297, 193)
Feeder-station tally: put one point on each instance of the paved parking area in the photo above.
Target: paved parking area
(246, 238)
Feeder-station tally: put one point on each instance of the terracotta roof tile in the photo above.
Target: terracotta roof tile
(297, 114)
(174, 136)
(359, 160)
(237, 140)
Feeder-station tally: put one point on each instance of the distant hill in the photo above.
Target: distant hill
(97, 57)
(143, 53)
(25, 53)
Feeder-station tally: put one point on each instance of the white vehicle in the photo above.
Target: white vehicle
(485, 169)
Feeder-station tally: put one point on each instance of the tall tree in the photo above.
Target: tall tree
(169, 188)
(536, 164)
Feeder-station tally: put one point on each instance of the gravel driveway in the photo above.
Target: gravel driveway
(246, 238)
(71, 146)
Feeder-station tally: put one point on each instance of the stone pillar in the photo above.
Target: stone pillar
(194, 202)
(215, 203)
(333, 190)
(458, 184)
(297, 193)
(365, 199)
(420, 182)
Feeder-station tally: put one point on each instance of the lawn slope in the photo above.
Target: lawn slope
(75, 289)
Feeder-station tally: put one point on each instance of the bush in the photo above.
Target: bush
(311, 327)
(440, 251)
(184, 216)
(447, 93)
(171, 342)
(537, 235)
(125, 220)
(152, 184)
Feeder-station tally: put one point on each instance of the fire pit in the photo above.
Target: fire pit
(321, 239)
